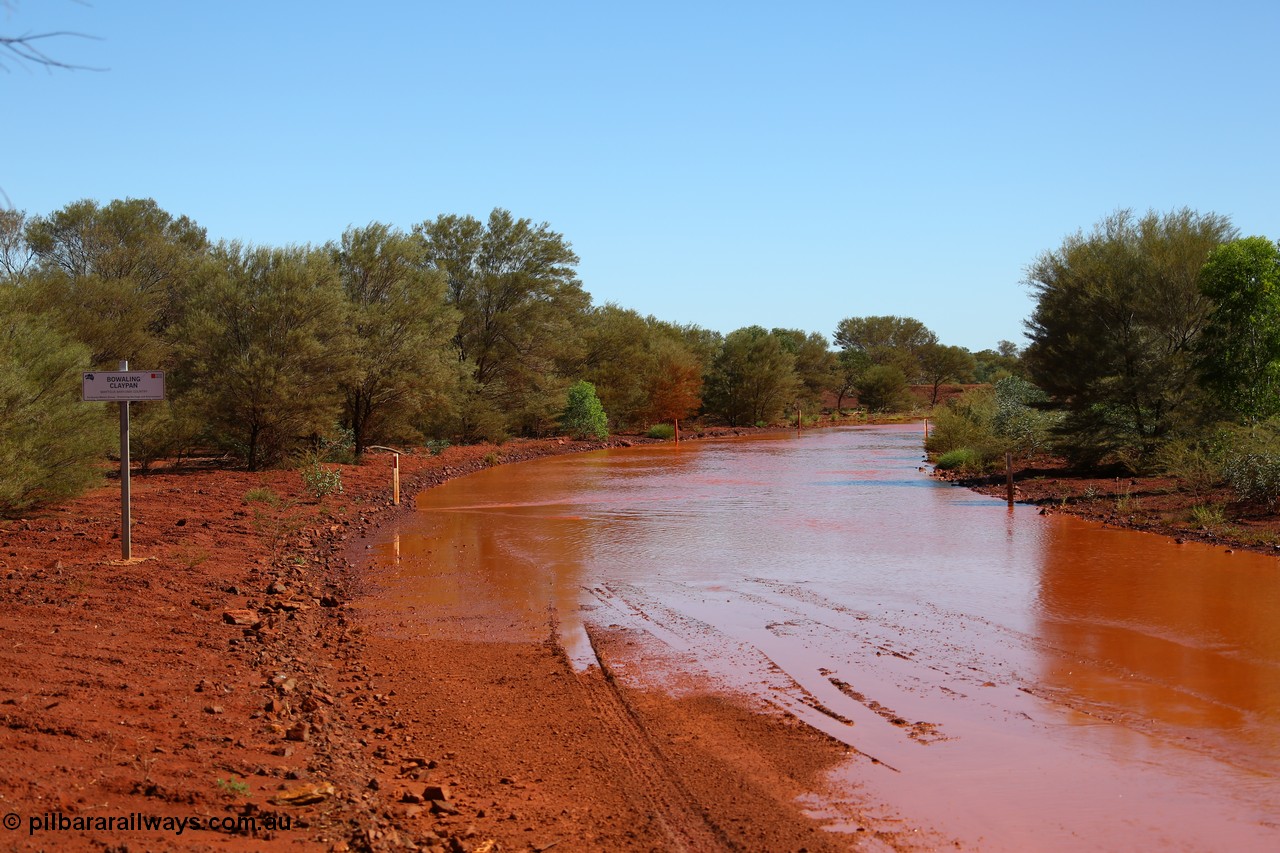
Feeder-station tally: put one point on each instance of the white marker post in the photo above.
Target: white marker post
(121, 387)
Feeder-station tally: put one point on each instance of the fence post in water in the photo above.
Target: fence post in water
(677, 423)
(1008, 474)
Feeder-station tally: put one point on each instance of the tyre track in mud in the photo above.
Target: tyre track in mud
(684, 822)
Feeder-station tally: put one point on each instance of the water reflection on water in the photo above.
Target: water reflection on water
(1031, 680)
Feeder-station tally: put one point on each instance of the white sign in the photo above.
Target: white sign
(123, 385)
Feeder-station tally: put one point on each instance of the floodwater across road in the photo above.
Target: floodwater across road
(1006, 680)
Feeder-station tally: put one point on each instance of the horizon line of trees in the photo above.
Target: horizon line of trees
(459, 329)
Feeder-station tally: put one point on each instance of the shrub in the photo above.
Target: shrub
(583, 415)
(438, 446)
(1193, 463)
(663, 431)
(340, 446)
(883, 388)
(491, 458)
(1022, 427)
(1254, 476)
(1249, 459)
(321, 481)
(51, 443)
(1208, 515)
(965, 422)
(961, 459)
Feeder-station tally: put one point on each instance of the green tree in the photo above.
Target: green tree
(266, 348)
(114, 277)
(817, 367)
(1240, 347)
(617, 342)
(883, 388)
(16, 256)
(515, 286)
(51, 443)
(753, 378)
(991, 365)
(940, 363)
(403, 331)
(886, 340)
(850, 365)
(1118, 312)
(583, 415)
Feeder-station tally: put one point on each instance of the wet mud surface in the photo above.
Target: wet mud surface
(556, 671)
(1000, 680)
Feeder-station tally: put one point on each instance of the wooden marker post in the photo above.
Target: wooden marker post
(395, 471)
(676, 421)
(1008, 475)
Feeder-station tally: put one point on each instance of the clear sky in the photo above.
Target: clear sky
(719, 163)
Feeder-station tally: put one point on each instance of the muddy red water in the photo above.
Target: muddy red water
(1007, 680)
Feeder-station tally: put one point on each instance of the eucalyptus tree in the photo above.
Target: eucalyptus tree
(645, 370)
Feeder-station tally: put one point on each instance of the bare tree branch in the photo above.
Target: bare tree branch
(25, 50)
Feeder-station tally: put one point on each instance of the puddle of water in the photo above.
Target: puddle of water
(1031, 681)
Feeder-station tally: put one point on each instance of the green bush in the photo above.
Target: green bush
(1194, 463)
(883, 388)
(320, 481)
(1208, 515)
(1249, 460)
(1254, 476)
(438, 446)
(491, 458)
(583, 415)
(965, 422)
(51, 443)
(963, 459)
(663, 431)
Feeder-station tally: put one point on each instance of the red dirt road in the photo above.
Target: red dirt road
(220, 692)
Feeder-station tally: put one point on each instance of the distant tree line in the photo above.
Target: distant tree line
(461, 329)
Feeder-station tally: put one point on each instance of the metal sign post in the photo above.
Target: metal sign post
(126, 518)
(121, 387)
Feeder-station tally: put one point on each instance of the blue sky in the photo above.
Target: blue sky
(714, 163)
